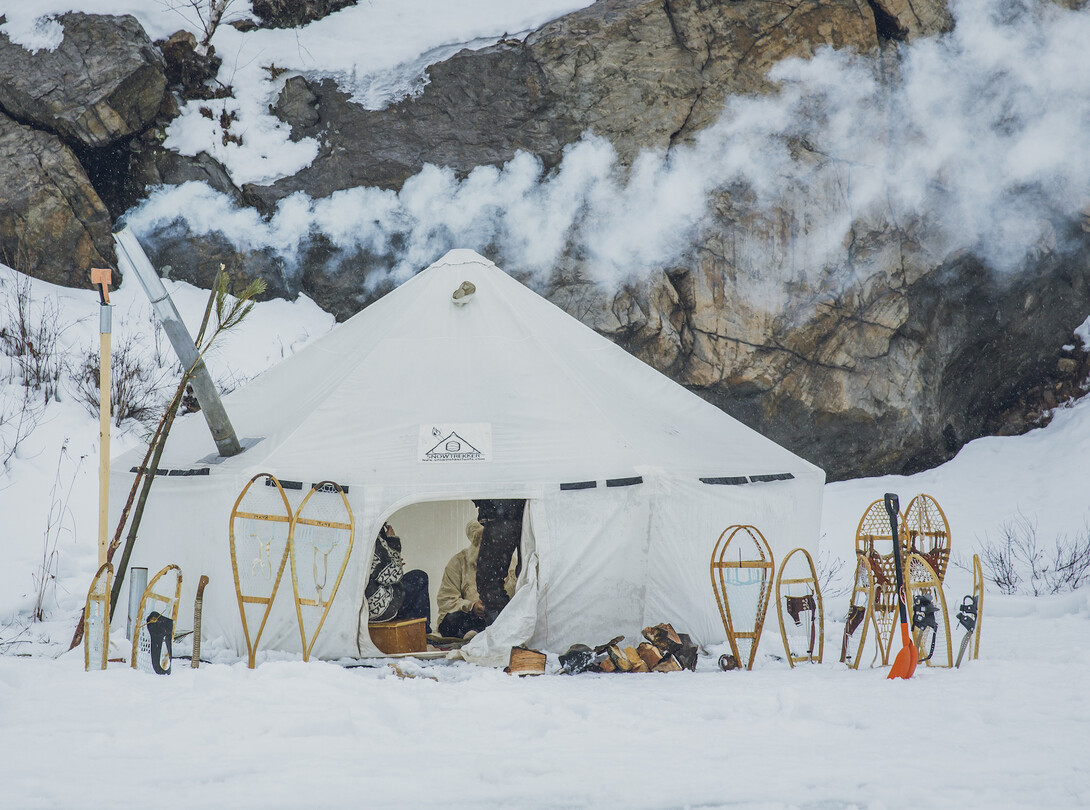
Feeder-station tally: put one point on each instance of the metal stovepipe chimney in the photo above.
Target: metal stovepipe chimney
(131, 258)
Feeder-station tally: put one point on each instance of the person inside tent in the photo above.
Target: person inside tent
(461, 611)
(394, 594)
(502, 521)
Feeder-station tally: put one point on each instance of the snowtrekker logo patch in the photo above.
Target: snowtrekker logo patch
(469, 441)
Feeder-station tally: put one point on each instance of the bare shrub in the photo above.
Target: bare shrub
(1019, 563)
(830, 571)
(30, 334)
(135, 383)
(19, 416)
(205, 15)
(59, 520)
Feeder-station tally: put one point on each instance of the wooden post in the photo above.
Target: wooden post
(101, 279)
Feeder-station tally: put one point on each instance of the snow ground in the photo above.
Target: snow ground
(1007, 730)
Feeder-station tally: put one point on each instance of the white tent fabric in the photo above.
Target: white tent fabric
(418, 404)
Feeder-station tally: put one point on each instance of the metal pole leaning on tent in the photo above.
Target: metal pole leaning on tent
(101, 279)
(131, 257)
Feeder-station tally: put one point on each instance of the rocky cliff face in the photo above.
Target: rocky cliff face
(58, 111)
(886, 357)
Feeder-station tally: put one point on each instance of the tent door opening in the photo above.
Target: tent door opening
(431, 534)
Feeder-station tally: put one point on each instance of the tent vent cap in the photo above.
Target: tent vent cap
(464, 292)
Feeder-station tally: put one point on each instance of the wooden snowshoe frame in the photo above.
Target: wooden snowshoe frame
(862, 600)
(265, 517)
(928, 533)
(808, 589)
(753, 565)
(978, 592)
(165, 603)
(325, 522)
(96, 619)
(871, 539)
(920, 577)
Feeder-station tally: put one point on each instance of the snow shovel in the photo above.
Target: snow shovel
(905, 662)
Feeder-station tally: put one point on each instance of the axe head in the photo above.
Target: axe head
(100, 278)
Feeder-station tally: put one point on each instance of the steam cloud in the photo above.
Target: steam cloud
(983, 132)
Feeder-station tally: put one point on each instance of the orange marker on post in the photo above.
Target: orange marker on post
(100, 278)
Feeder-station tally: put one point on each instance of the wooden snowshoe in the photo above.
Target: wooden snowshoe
(798, 594)
(873, 541)
(930, 619)
(160, 599)
(96, 619)
(741, 571)
(928, 533)
(859, 609)
(260, 544)
(321, 537)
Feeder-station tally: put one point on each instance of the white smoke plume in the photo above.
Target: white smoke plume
(983, 131)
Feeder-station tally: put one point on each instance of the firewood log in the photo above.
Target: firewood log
(638, 664)
(662, 636)
(687, 654)
(650, 654)
(619, 659)
(667, 664)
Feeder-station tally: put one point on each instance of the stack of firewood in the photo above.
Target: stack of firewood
(665, 650)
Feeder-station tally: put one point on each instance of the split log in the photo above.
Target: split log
(638, 664)
(687, 653)
(667, 664)
(619, 659)
(525, 661)
(650, 654)
(601, 648)
(662, 636)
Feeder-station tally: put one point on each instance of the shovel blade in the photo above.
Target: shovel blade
(905, 662)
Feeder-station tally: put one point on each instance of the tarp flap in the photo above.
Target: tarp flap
(513, 627)
(594, 568)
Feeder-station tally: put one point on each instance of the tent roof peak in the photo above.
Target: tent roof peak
(460, 256)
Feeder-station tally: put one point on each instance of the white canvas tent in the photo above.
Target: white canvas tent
(418, 404)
